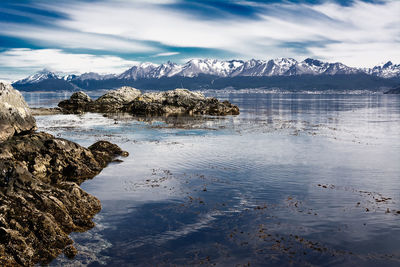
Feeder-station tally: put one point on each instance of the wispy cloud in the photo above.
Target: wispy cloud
(260, 34)
(359, 33)
(57, 60)
(67, 38)
(166, 54)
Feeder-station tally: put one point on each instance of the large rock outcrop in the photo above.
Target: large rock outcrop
(78, 102)
(115, 100)
(112, 101)
(40, 200)
(15, 115)
(127, 99)
(180, 101)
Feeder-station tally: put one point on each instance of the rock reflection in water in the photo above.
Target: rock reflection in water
(248, 190)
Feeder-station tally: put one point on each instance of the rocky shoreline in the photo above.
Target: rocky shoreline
(41, 202)
(130, 100)
(40, 198)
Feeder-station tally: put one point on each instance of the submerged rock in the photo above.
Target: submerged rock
(128, 99)
(15, 115)
(40, 200)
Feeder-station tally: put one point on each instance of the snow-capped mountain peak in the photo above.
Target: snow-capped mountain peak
(385, 70)
(143, 70)
(215, 67)
(224, 68)
(387, 65)
(39, 76)
(69, 77)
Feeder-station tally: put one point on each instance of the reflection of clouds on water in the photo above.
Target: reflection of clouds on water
(202, 222)
(89, 244)
(343, 118)
(204, 178)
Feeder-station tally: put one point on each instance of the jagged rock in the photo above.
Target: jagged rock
(115, 100)
(15, 115)
(178, 101)
(70, 251)
(112, 101)
(40, 200)
(77, 103)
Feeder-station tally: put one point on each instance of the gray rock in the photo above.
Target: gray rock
(130, 100)
(180, 101)
(15, 115)
(116, 99)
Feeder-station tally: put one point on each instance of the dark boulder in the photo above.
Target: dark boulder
(77, 103)
(40, 198)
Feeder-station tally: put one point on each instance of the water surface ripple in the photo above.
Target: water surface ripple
(295, 179)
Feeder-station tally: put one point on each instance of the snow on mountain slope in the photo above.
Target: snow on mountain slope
(143, 70)
(69, 77)
(385, 70)
(38, 77)
(231, 68)
(208, 66)
(94, 76)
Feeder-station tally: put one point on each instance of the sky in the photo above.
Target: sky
(105, 36)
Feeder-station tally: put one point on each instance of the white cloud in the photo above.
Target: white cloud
(56, 60)
(361, 34)
(361, 25)
(65, 38)
(166, 54)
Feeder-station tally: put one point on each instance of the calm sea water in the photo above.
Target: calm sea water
(295, 179)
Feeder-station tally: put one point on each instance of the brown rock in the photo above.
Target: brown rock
(40, 200)
(70, 251)
(77, 103)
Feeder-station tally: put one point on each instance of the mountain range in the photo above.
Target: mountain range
(216, 74)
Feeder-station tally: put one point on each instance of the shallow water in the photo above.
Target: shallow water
(295, 179)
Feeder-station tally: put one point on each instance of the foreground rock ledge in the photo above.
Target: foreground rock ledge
(131, 100)
(40, 200)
